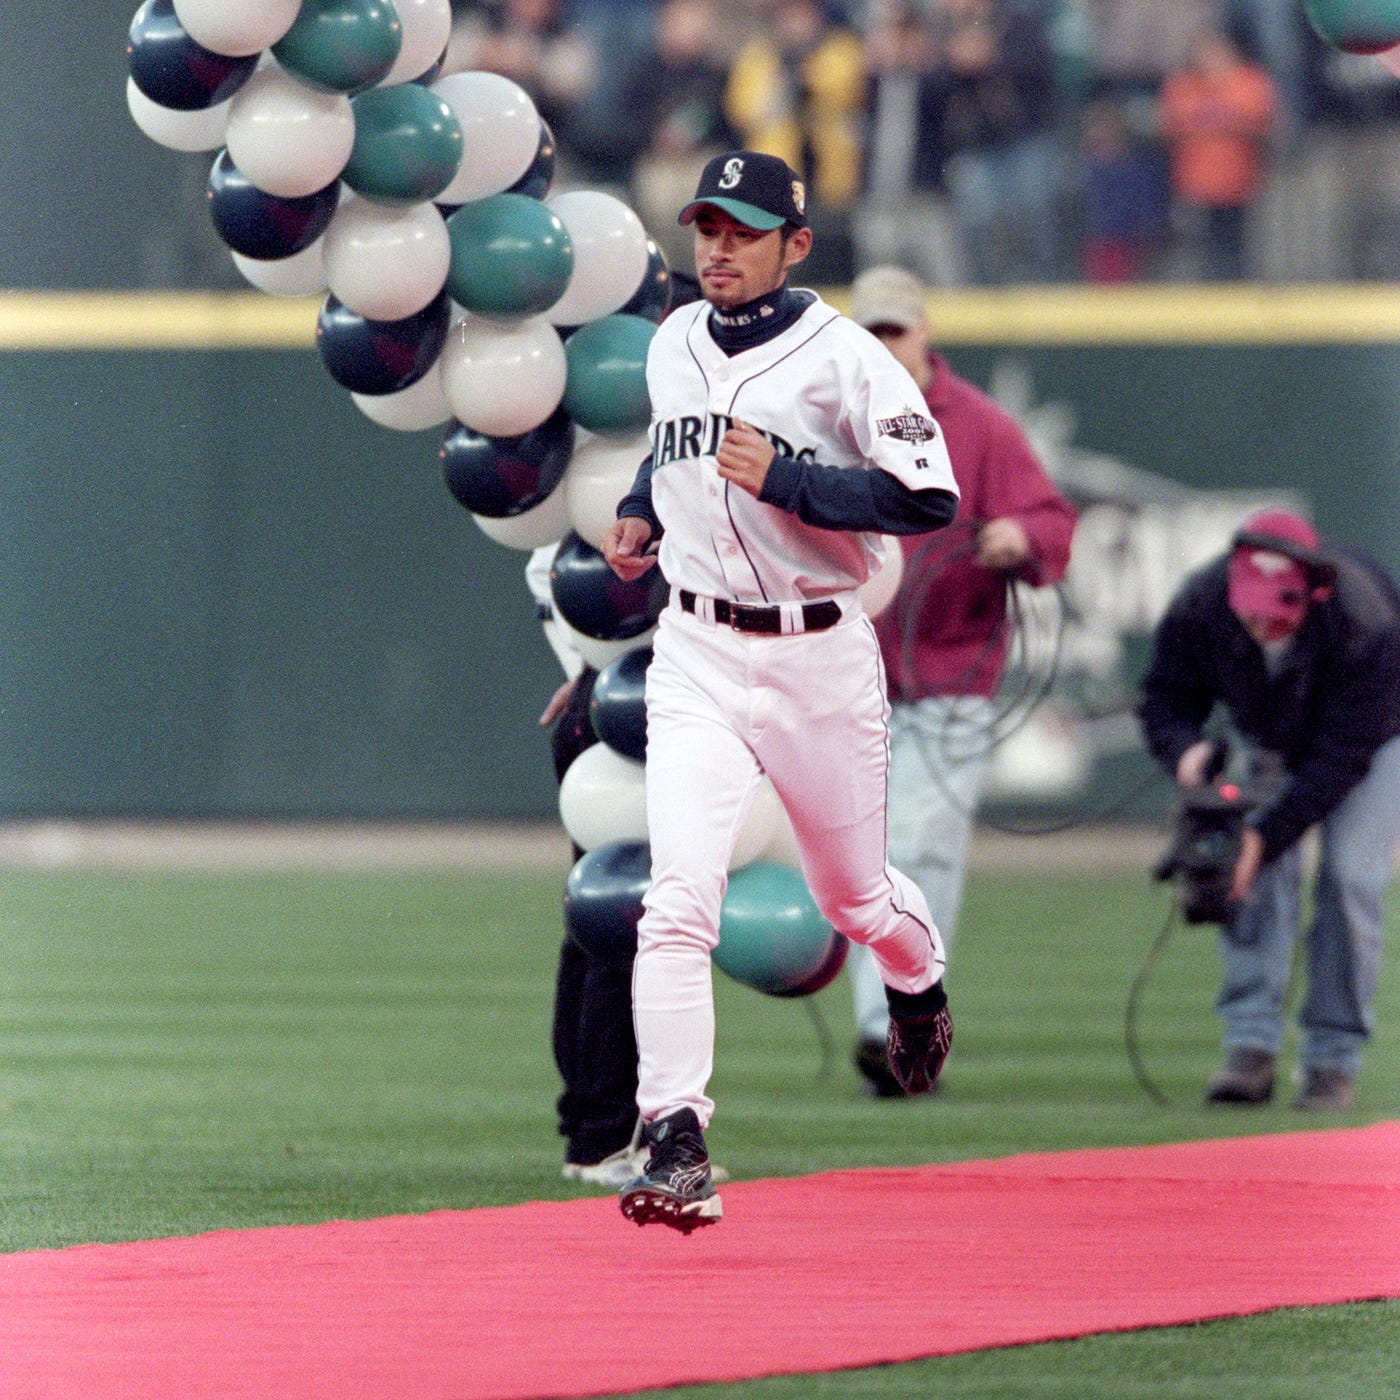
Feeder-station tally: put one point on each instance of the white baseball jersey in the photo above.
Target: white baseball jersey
(825, 391)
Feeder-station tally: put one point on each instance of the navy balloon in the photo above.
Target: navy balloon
(381, 357)
(652, 299)
(603, 899)
(172, 69)
(499, 477)
(536, 181)
(618, 708)
(262, 225)
(594, 601)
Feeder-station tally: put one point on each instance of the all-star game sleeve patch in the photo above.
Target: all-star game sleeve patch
(908, 427)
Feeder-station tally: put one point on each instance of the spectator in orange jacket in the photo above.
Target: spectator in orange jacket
(1216, 116)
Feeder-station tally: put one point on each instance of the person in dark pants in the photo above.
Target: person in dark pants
(595, 1047)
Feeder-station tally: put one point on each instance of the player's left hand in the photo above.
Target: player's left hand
(1251, 857)
(744, 457)
(1003, 544)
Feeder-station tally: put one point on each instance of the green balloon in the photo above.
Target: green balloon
(606, 387)
(511, 256)
(408, 145)
(1356, 26)
(772, 936)
(341, 45)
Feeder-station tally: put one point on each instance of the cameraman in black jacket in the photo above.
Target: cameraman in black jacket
(1301, 646)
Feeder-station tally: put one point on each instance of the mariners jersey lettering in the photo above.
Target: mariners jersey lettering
(822, 391)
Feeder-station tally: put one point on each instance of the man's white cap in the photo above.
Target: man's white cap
(888, 296)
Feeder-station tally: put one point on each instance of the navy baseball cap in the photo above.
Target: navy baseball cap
(759, 190)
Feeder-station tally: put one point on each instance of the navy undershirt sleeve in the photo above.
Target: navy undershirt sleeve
(637, 502)
(854, 498)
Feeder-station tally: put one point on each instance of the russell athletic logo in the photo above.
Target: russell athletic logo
(908, 426)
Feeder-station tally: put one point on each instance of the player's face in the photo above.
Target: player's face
(736, 263)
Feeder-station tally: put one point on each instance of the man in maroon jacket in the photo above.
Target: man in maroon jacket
(945, 635)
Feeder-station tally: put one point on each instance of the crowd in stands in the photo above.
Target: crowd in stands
(982, 142)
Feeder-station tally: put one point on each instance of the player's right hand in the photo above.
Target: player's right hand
(624, 546)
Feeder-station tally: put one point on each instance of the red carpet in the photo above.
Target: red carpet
(814, 1274)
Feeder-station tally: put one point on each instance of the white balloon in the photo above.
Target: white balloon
(603, 797)
(500, 133)
(599, 475)
(422, 405)
(877, 592)
(610, 255)
(540, 525)
(202, 130)
(426, 26)
(301, 275)
(236, 28)
(760, 827)
(597, 652)
(503, 378)
(287, 138)
(385, 261)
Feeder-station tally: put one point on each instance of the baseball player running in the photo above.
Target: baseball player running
(785, 442)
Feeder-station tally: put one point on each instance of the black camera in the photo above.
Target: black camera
(1205, 844)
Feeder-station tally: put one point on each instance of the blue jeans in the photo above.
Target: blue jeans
(1342, 944)
(938, 748)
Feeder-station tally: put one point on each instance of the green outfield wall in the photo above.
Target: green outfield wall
(225, 592)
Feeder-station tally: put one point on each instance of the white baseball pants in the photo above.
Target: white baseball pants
(723, 708)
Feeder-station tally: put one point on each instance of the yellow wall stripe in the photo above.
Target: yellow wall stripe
(1134, 315)
(155, 321)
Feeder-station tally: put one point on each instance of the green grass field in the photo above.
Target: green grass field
(182, 1053)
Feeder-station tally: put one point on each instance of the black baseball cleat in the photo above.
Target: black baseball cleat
(677, 1188)
(872, 1059)
(921, 1034)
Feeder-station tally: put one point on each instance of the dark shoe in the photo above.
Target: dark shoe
(1246, 1077)
(677, 1187)
(1325, 1090)
(872, 1059)
(921, 1034)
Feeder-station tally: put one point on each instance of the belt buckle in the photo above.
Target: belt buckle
(754, 617)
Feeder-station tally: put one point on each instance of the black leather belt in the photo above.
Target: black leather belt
(766, 617)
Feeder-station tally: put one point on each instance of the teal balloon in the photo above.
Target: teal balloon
(511, 256)
(605, 389)
(1356, 26)
(341, 45)
(408, 145)
(772, 936)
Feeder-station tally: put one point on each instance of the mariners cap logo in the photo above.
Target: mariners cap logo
(758, 189)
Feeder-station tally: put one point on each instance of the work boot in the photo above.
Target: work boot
(677, 1188)
(1246, 1077)
(1326, 1089)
